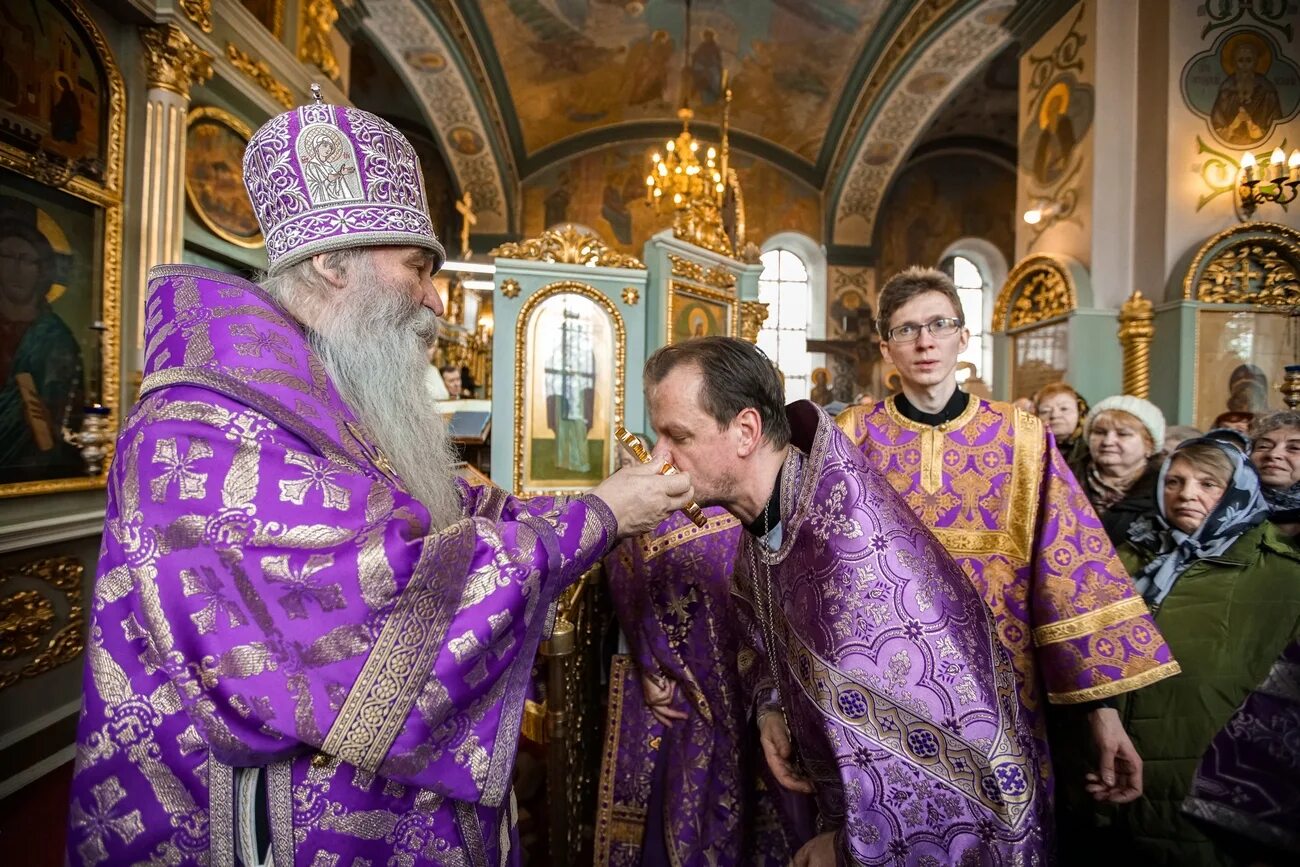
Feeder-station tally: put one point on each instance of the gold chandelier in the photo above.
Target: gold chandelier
(694, 188)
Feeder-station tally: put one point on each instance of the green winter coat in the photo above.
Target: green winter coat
(1226, 620)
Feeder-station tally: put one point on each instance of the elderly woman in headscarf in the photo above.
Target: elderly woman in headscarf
(1275, 452)
(1222, 583)
(1118, 473)
(1063, 410)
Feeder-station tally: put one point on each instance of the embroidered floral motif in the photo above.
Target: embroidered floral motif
(317, 474)
(828, 519)
(179, 468)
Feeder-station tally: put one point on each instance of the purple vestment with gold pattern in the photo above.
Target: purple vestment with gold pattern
(702, 776)
(994, 489)
(900, 700)
(270, 596)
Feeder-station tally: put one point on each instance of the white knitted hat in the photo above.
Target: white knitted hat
(1143, 410)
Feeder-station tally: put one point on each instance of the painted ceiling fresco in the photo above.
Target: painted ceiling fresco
(575, 65)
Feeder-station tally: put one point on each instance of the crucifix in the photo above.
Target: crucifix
(465, 205)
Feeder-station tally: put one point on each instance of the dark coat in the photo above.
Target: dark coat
(1138, 502)
(1226, 620)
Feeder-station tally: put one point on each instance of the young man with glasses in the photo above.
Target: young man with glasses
(989, 482)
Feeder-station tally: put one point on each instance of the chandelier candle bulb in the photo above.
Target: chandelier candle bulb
(1248, 167)
(633, 445)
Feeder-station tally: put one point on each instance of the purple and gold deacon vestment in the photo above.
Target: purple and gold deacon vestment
(701, 777)
(900, 700)
(995, 490)
(270, 596)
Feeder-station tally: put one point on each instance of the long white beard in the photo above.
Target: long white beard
(371, 337)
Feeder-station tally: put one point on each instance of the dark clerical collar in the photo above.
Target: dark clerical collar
(771, 514)
(956, 406)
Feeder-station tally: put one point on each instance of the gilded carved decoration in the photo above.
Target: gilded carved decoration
(172, 61)
(564, 287)
(200, 12)
(260, 72)
(1255, 263)
(694, 271)
(510, 287)
(42, 622)
(1136, 329)
(752, 316)
(1039, 288)
(631, 295)
(568, 246)
(100, 183)
(317, 22)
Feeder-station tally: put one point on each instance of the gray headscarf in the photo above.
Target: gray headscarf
(1241, 509)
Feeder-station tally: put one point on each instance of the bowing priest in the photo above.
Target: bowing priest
(989, 482)
(311, 641)
(868, 656)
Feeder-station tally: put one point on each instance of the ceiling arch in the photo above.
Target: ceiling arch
(434, 71)
(891, 125)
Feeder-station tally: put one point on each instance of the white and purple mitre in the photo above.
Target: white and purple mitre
(327, 177)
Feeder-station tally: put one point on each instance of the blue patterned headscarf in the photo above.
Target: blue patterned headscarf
(1241, 509)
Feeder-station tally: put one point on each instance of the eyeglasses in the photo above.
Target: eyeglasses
(908, 332)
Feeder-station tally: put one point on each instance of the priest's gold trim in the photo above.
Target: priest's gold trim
(1083, 624)
(107, 195)
(1116, 687)
(564, 287)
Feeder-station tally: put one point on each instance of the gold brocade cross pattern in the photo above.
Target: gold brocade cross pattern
(928, 507)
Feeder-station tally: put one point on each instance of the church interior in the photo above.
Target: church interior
(1109, 184)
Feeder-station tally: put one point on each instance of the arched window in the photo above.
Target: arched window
(785, 288)
(978, 269)
(970, 288)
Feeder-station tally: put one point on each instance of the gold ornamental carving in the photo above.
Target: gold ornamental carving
(691, 270)
(200, 12)
(1039, 288)
(631, 295)
(568, 246)
(1136, 329)
(510, 287)
(34, 636)
(1255, 263)
(318, 17)
(260, 72)
(172, 60)
(752, 316)
(564, 287)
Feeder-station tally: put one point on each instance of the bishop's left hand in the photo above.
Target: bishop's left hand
(1118, 778)
(817, 852)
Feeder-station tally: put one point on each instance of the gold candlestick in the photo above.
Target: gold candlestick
(633, 445)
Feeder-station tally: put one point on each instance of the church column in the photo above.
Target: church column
(173, 64)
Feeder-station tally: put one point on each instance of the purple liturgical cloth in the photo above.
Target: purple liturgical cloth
(995, 490)
(270, 596)
(1248, 782)
(901, 702)
(702, 777)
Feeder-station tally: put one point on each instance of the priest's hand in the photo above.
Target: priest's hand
(641, 499)
(1118, 778)
(774, 735)
(659, 692)
(817, 852)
